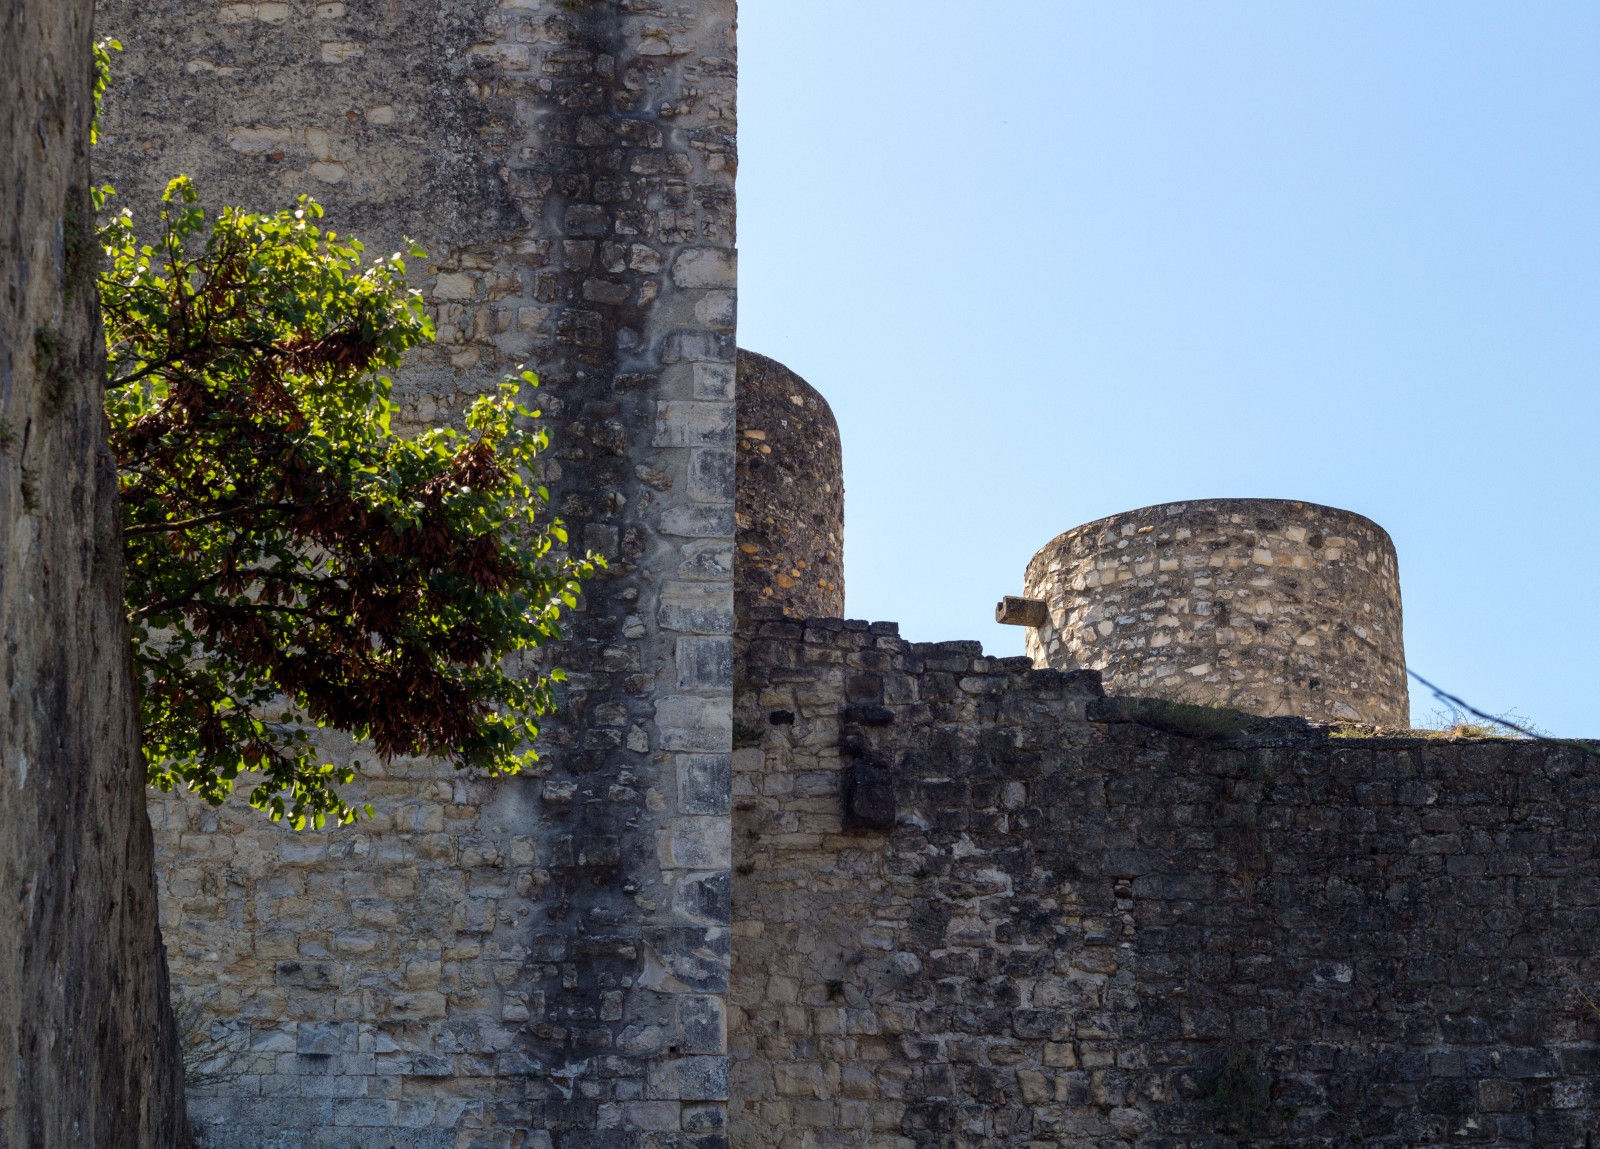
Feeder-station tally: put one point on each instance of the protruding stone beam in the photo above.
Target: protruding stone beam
(1015, 611)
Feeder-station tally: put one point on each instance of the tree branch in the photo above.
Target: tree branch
(179, 601)
(215, 517)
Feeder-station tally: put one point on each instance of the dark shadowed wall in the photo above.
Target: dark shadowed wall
(88, 1055)
(973, 906)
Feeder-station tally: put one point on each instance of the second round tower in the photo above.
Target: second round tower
(1269, 606)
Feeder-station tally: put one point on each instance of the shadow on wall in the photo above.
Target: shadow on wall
(980, 904)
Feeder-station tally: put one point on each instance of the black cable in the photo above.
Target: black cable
(1451, 700)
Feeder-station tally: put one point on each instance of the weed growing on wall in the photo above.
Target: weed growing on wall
(1239, 1090)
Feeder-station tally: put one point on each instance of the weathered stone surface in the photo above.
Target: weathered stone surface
(869, 796)
(958, 901)
(492, 945)
(88, 1053)
(789, 495)
(1094, 933)
(1269, 606)
(1013, 610)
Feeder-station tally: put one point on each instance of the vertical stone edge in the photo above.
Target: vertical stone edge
(630, 115)
(688, 951)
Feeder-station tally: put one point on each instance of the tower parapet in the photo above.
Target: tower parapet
(1267, 605)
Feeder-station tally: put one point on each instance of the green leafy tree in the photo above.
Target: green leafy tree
(292, 562)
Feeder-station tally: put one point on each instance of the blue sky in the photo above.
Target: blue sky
(1053, 260)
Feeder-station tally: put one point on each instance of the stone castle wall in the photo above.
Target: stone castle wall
(789, 496)
(539, 960)
(971, 902)
(1270, 606)
(974, 906)
(89, 1051)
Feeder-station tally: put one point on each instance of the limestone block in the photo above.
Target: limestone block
(705, 267)
(690, 1079)
(697, 843)
(705, 663)
(699, 521)
(703, 784)
(695, 724)
(696, 423)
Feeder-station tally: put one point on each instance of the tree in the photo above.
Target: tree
(291, 561)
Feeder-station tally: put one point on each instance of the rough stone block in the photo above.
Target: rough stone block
(696, 608)
(705, 663)
(703, 521)
(711, 475)
(708, 561)
(690, 1079)
(693, 423)
(702, 897)
(705, 267)
(704, 783)
(698, 346)
(695, 724)
(323, 1038)
(869, 797)
(697, 843)
(686, 959)
(703, 1024)
(713, 380)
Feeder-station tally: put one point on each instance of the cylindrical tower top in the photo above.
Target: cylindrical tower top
(788, 495)
(1265, 605)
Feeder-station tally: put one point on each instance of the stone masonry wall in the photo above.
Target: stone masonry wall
(975, 907)
(539, 960)
(88, 1051)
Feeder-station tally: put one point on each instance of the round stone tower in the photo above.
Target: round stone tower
(788, 495)
(1268, 606)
